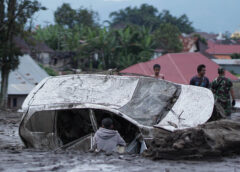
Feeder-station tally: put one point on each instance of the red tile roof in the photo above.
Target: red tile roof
(214, 48)
(178, 67)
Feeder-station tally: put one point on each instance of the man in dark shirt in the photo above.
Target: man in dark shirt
(200, 79)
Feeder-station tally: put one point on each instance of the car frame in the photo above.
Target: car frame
(64, 112)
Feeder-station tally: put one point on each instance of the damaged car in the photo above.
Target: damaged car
(64, 112)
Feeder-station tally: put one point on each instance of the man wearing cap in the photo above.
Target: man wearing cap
(222, 90)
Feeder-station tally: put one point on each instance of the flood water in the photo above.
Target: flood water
(14, 157)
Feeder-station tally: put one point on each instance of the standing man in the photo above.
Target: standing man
(222, 89)
(157, 69)
(200, 79)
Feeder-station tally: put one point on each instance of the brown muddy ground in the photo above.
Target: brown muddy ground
(14, 157)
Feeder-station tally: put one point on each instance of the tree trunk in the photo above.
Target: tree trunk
(4, 88)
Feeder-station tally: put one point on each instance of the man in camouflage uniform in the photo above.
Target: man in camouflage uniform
(222, 90)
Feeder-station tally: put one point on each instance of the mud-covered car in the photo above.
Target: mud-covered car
(63, 112)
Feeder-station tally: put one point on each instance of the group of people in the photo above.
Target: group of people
(222, 87)
(107, 139)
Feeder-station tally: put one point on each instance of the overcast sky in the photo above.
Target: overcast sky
(206, 15)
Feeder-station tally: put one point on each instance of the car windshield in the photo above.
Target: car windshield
(151, 101)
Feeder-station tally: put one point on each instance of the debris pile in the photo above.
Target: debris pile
(212, 139)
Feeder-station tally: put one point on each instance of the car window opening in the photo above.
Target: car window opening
(75, 128)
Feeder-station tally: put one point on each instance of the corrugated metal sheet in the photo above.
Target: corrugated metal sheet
(227, 61)
(25, 77)
(178, 67)
(214, 48)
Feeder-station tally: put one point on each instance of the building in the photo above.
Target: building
(190, 43)
(22, 80)
(236, 35)
(222, 51)
(232, 65)
(62, 61)
(38, 50)
(178, 67)
(22, 45)
(42, 53)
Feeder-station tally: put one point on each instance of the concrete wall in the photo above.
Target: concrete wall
(44, 58)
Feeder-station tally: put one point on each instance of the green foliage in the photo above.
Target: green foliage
(235, 56)
(182, 22)
(14, 15)
(59, 38)
(145, 29)
(146, 16)
(68, 17)
(104, 49)
(201, 39)
(167, 38)
(49, 70)
(149, 16)
(116, 48)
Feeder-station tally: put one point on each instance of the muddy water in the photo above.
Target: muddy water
(14, 157)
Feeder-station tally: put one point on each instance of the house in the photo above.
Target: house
(190, 43)
(222, 51)
(62, 61)
(232, 65)
(42, 52)
(37, 49)
(22, 45)
(236, 35)
(22, 80)
(178, 67)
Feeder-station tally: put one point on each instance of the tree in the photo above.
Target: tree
(200, 38)
(59, 38)
(104, 49)
(149, 16)
(167, 38)
(135, 44)
(146, 16)
(13, 17)
(182, 22)
(68, 17)
(98, 49)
